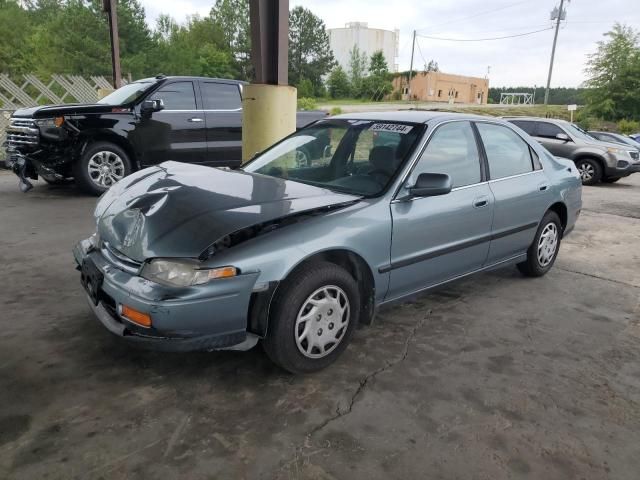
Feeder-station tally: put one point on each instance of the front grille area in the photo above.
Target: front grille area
(119, 260)
(22, 132)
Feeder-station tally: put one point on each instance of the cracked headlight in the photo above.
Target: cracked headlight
(183, 273)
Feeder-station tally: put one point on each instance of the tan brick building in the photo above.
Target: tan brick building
(443, 87)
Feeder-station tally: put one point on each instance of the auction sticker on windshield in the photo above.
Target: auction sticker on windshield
(390, 127)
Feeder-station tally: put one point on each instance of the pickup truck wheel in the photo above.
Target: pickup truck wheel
(102, 164)
(545, 246)
(313, 318)
(590, 171)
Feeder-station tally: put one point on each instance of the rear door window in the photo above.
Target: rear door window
(525, 125)
(220, 96)
(507, 153)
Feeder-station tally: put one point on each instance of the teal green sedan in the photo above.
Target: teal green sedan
(295, 254)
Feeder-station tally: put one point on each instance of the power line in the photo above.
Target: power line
(421, 55)
(485, 39)
(476, 15)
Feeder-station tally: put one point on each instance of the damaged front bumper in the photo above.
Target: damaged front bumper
(28, 167)
(205, 317)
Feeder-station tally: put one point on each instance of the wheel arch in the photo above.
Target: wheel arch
(351, 261)
(561, 210)
(591, 156)
(94, 136)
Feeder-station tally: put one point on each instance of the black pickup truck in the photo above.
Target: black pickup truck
(187, 119)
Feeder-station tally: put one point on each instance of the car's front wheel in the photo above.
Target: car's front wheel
(543, 251)
(312, 318)
(590, 171)
(101, 165)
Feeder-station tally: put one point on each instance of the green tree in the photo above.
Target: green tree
(357, 70)
(310, 56)
(232, 17)
(377, 85)
(17, 24)
(338, 83)
(614, 75)
(305, 88)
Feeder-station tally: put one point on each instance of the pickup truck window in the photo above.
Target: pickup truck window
(220, 96)
(176, 96)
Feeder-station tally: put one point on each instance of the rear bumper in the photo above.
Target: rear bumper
(207, 317)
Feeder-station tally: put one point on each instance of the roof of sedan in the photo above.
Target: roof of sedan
(415, 116)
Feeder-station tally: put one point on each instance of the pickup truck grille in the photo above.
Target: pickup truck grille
(22, 132)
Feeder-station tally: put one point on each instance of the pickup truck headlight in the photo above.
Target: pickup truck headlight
(50, 122)
(183, 273)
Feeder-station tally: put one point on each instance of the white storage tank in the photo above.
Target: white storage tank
(368, 40)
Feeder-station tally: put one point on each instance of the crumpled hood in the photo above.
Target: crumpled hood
(178, 210)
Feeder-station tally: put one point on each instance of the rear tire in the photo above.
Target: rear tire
(313, 318)
(101, 165)
(590, 171)
(545, 247)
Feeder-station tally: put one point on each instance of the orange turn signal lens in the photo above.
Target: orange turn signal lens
(58, 121)
(139, 318)
(223, 272)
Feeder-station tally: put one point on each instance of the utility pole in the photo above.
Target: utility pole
(553, 50)
(413, 46)
(109, 6)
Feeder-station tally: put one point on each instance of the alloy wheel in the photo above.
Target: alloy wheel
(547, 244)
(587, 171)
(105, 168)
(322, 322)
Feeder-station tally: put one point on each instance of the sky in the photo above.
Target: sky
(518, 61)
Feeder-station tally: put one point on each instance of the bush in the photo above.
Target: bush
(628, 126)
(335, 111)
(396, 95)
(338, 83)
(305, 88)
(307, 103)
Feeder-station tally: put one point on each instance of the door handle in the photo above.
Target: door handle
(481, 202)
(543, 187)
(195, 120)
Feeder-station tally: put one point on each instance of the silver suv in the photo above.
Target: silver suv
(596, 160)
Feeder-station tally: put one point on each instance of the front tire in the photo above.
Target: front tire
(545, 247)
(313, 318)
(590, 171)
(101, 165)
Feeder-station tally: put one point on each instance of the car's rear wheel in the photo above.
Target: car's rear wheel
(543, 251)
(101, 165)
(611, 180)
(313, 318)
(590, 171)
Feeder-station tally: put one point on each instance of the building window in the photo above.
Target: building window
(439, 93)
(456, 94)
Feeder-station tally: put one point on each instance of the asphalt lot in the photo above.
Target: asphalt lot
(494, 377)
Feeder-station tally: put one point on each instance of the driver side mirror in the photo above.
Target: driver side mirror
(150, 106)
(430, 185)
(563, 136)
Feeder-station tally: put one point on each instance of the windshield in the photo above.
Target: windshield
(126, 94)
(576, 131)
(360, 157)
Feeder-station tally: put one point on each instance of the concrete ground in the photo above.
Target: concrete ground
(494, 377)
